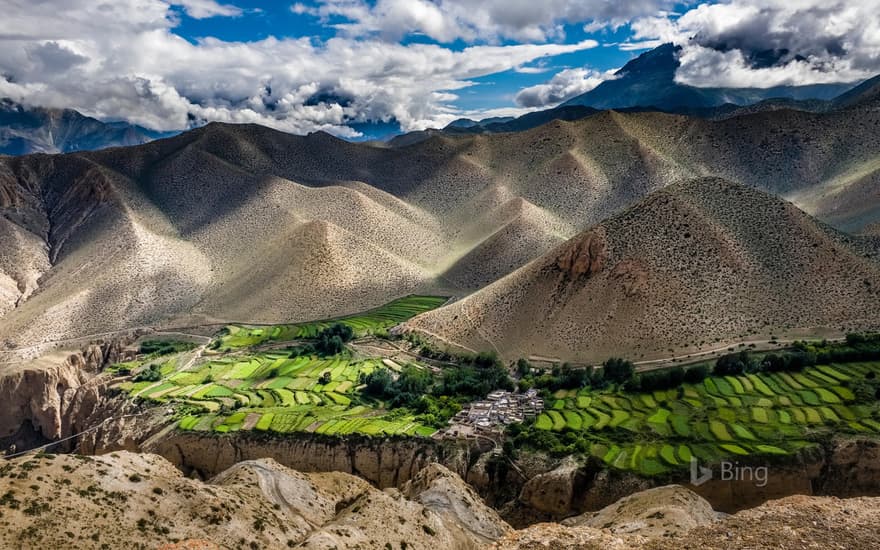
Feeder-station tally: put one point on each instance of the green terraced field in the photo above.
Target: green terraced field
(272, 392)
(384, 317)
(755, 414)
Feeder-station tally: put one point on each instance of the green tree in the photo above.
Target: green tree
(618, 370)
(378, 383)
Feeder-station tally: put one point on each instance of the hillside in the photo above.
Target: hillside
(244, 223)
(693, 265)
(25, 130)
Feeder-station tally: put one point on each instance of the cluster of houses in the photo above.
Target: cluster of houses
(489, 416)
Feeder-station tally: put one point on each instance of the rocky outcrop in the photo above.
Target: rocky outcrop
(583, 256)
(443, 492)
(571, 487)
(555, 492)
(140, 500)
(659, 512)
(853, 469)
(55, 393)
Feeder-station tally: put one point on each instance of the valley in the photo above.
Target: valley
(473, 332)
(276, 391)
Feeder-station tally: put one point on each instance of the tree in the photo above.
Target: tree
(378, 383)
(732, 364)
(696, 374)
(325, 378)
(618, 370)
(523, 367)
(413, 380)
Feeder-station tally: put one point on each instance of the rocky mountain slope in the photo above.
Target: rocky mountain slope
(245, 223)
(127, 499)
(695, 263)
(25, 130)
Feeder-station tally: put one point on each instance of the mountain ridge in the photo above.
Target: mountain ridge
(629, 282)
(185, 210)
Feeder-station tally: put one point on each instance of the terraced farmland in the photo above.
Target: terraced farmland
(384, 317)
(272, 392)
(755, 414)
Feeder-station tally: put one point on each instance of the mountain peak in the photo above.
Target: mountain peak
(648, 81)
(661, 60)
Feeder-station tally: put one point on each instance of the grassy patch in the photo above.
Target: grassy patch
(381, 318)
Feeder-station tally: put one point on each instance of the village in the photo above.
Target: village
(487, 418)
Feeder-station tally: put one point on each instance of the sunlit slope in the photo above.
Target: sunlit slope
(231, 221)
(694, 264)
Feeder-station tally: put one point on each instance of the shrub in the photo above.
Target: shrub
(149, 374)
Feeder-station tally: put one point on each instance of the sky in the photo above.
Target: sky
(338, 65)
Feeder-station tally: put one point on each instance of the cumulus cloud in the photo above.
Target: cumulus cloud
(471, 20)
(563, 86)
(764, 43)
(203, 9)
(121, 60)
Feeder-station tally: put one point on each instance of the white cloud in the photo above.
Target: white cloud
(203, 9)
(764, 43)
(562, 87)
(121, 60)
(472, 20)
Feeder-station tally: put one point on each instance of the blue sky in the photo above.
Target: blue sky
(338, 65)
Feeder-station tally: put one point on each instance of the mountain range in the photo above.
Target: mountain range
(244, 223)
(25, 130)
(648, 83)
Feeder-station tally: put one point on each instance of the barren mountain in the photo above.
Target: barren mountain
(695, 263)
(249, 224)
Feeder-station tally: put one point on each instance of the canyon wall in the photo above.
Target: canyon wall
(54, 396)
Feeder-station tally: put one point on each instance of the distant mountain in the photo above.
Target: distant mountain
(25, 130)
(463, 123)
(866, 93)
(524, 122)
(649, 81)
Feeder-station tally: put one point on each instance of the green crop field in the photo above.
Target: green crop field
(384, 317)
(755, 414)
(272, 392)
